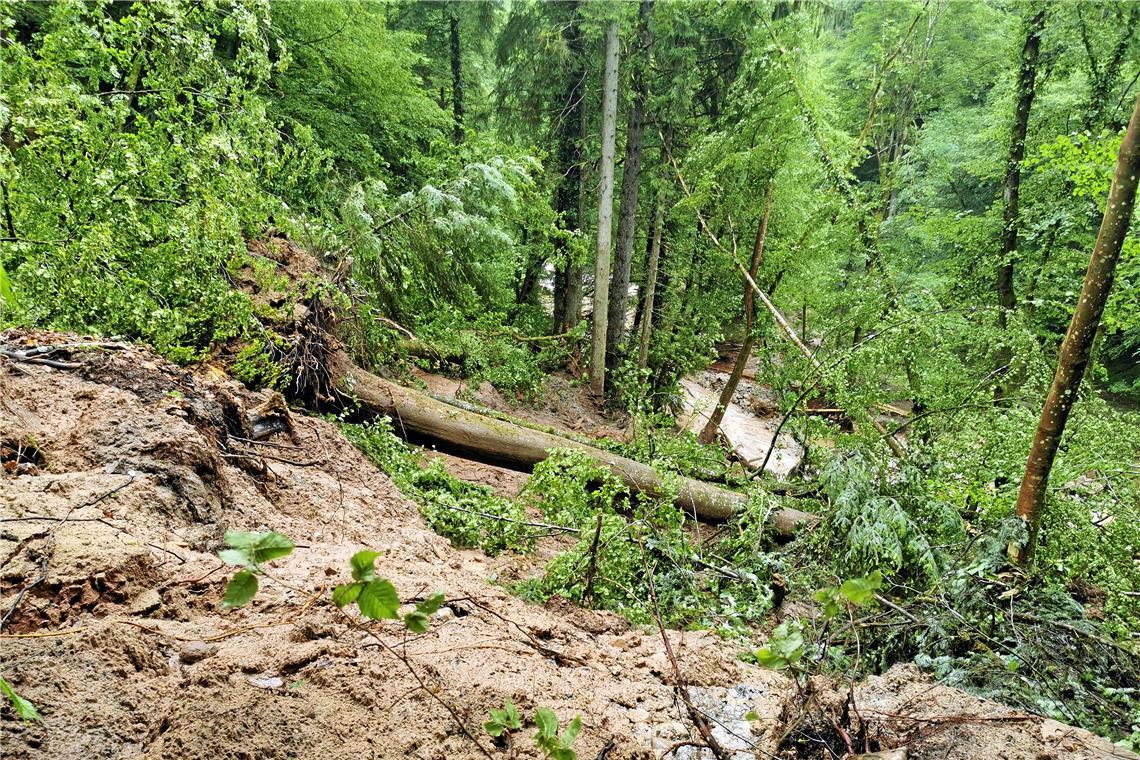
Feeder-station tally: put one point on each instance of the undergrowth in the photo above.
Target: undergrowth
(465, 513)
(950, 603)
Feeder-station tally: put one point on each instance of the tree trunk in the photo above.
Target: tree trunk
(1103, 76)
(456, 77)
(568, 274)
(709, 433)
(502, 441)
(605, 213)
(630, 180)
(651, 282)
(1026, 91)
(1077, 346)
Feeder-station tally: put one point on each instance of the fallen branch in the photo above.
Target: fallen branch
(419, 413)
(695, 715)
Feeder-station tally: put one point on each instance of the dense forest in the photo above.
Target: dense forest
(814, 323)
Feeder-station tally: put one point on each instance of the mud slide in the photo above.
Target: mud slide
(746, 434)
(122, 471)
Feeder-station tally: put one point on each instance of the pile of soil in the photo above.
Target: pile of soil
(121, 474)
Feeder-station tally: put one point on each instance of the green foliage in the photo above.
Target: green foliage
(134, 165)
(255, 366)
(570, 488)
(552, 745)
(465, 513)
(25, 710)
(249, 551)
(503, 720)
(351, 81)
(856, 591)
(884, 524)
(785, 647)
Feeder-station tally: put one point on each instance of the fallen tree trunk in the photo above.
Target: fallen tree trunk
(419, 413)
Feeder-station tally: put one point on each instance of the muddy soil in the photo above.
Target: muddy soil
(129, 469)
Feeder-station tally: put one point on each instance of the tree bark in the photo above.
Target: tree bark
(456, 76)
(646, 330)
(502, 441)
(1076, 349)
(709, 433)
(1104, 76)
(630, 181)
(568, 274)
(1026, 91)
(605, 213)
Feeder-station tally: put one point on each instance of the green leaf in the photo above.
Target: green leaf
(239, 590)
(571, 732)
(24, 709)
(363, 568)
(378, 600)
(251, 549)
(7, 297)
(416, 622)
(785, 647)
(346, 594)
(751, 715)
(830, 599)
(547, 723)
(431, 605)
(511, 716)
(493, 727)
(235, 557)
(271, 546)
(239, 539)
(859, 591)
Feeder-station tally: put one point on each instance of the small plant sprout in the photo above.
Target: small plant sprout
(553, 746)
(785, 647)
(376, 598)
(503, 720)
(249, 551)
(25, 710)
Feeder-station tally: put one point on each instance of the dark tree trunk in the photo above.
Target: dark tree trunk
(630, 180)
(650, 293)
(456, 76)
(1026, 91)
(567, 201)
(1103, 76)
(1076, 349)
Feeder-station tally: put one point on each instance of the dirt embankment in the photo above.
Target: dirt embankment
(122, 471)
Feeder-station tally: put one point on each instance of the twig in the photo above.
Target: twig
(44, 634)
(679, 683)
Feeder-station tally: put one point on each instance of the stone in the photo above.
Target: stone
(146, 602)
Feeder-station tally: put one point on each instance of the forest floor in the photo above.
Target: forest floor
(121, 473)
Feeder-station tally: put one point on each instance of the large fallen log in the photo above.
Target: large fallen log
(421, 414)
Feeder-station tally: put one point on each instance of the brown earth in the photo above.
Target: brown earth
(121, 475)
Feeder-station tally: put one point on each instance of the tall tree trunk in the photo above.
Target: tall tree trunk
(1026, 91)
(709, 433)
(630, 180)
(456, 76)
(567, 200)
(1096, 111)
(1076, 349)
(605, 212)
(646, 329)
